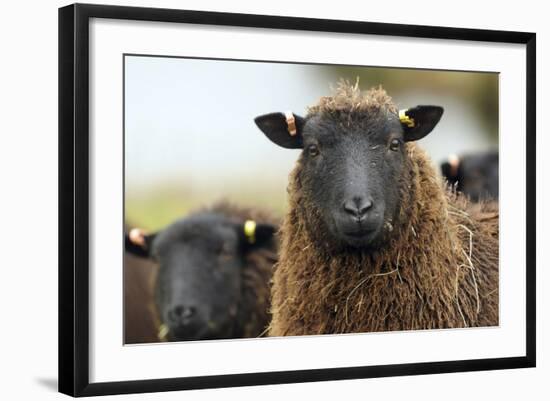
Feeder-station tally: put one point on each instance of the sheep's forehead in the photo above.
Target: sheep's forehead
(201, 228)
(371, 126)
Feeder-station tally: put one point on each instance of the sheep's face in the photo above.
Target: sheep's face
(351, 167)
(198, 287)
(350, 174)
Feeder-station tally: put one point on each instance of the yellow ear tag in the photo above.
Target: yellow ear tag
(405, 119)
(250, 231)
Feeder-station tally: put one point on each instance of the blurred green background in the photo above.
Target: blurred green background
(190, 139)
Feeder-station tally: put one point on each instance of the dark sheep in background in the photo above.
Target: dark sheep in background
(372, 241)
(215, 266)
(475, 175)
(140, 325)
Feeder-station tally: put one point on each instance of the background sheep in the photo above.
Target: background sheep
(214, 272)
(140, 325)
(475, 175)
(372, 241)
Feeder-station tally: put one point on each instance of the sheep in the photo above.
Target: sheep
(140, 325)
(214, 271)
(475, 174)
(372, 241)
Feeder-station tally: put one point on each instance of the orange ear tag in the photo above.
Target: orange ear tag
(137, 236)
(291, 123)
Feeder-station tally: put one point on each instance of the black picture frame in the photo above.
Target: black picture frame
(74, 198)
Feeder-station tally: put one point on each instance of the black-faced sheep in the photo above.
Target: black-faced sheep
(214, 271)
(475, 175)
(372, 241)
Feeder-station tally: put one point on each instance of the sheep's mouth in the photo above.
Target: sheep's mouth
(361, 237)
(348, 233)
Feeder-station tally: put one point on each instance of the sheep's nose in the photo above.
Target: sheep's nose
(358, 207)
(181, 315)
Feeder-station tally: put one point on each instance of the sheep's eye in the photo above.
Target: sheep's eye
(394, 144)
(313, 150)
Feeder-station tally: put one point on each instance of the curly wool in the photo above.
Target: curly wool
(439, 268)
(349, 99)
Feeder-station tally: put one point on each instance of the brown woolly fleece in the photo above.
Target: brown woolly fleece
(438, 269)
(349, 99)
(253, 314)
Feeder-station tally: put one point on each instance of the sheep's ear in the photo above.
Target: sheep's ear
(283, 129)
(138, 243)
(419, 121)
(255, 235)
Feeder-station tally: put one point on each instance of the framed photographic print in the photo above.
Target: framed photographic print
(276, 199)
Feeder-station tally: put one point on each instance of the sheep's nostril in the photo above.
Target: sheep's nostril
(187, 312)
(358, 207)
(365, 207)
(181, 315)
